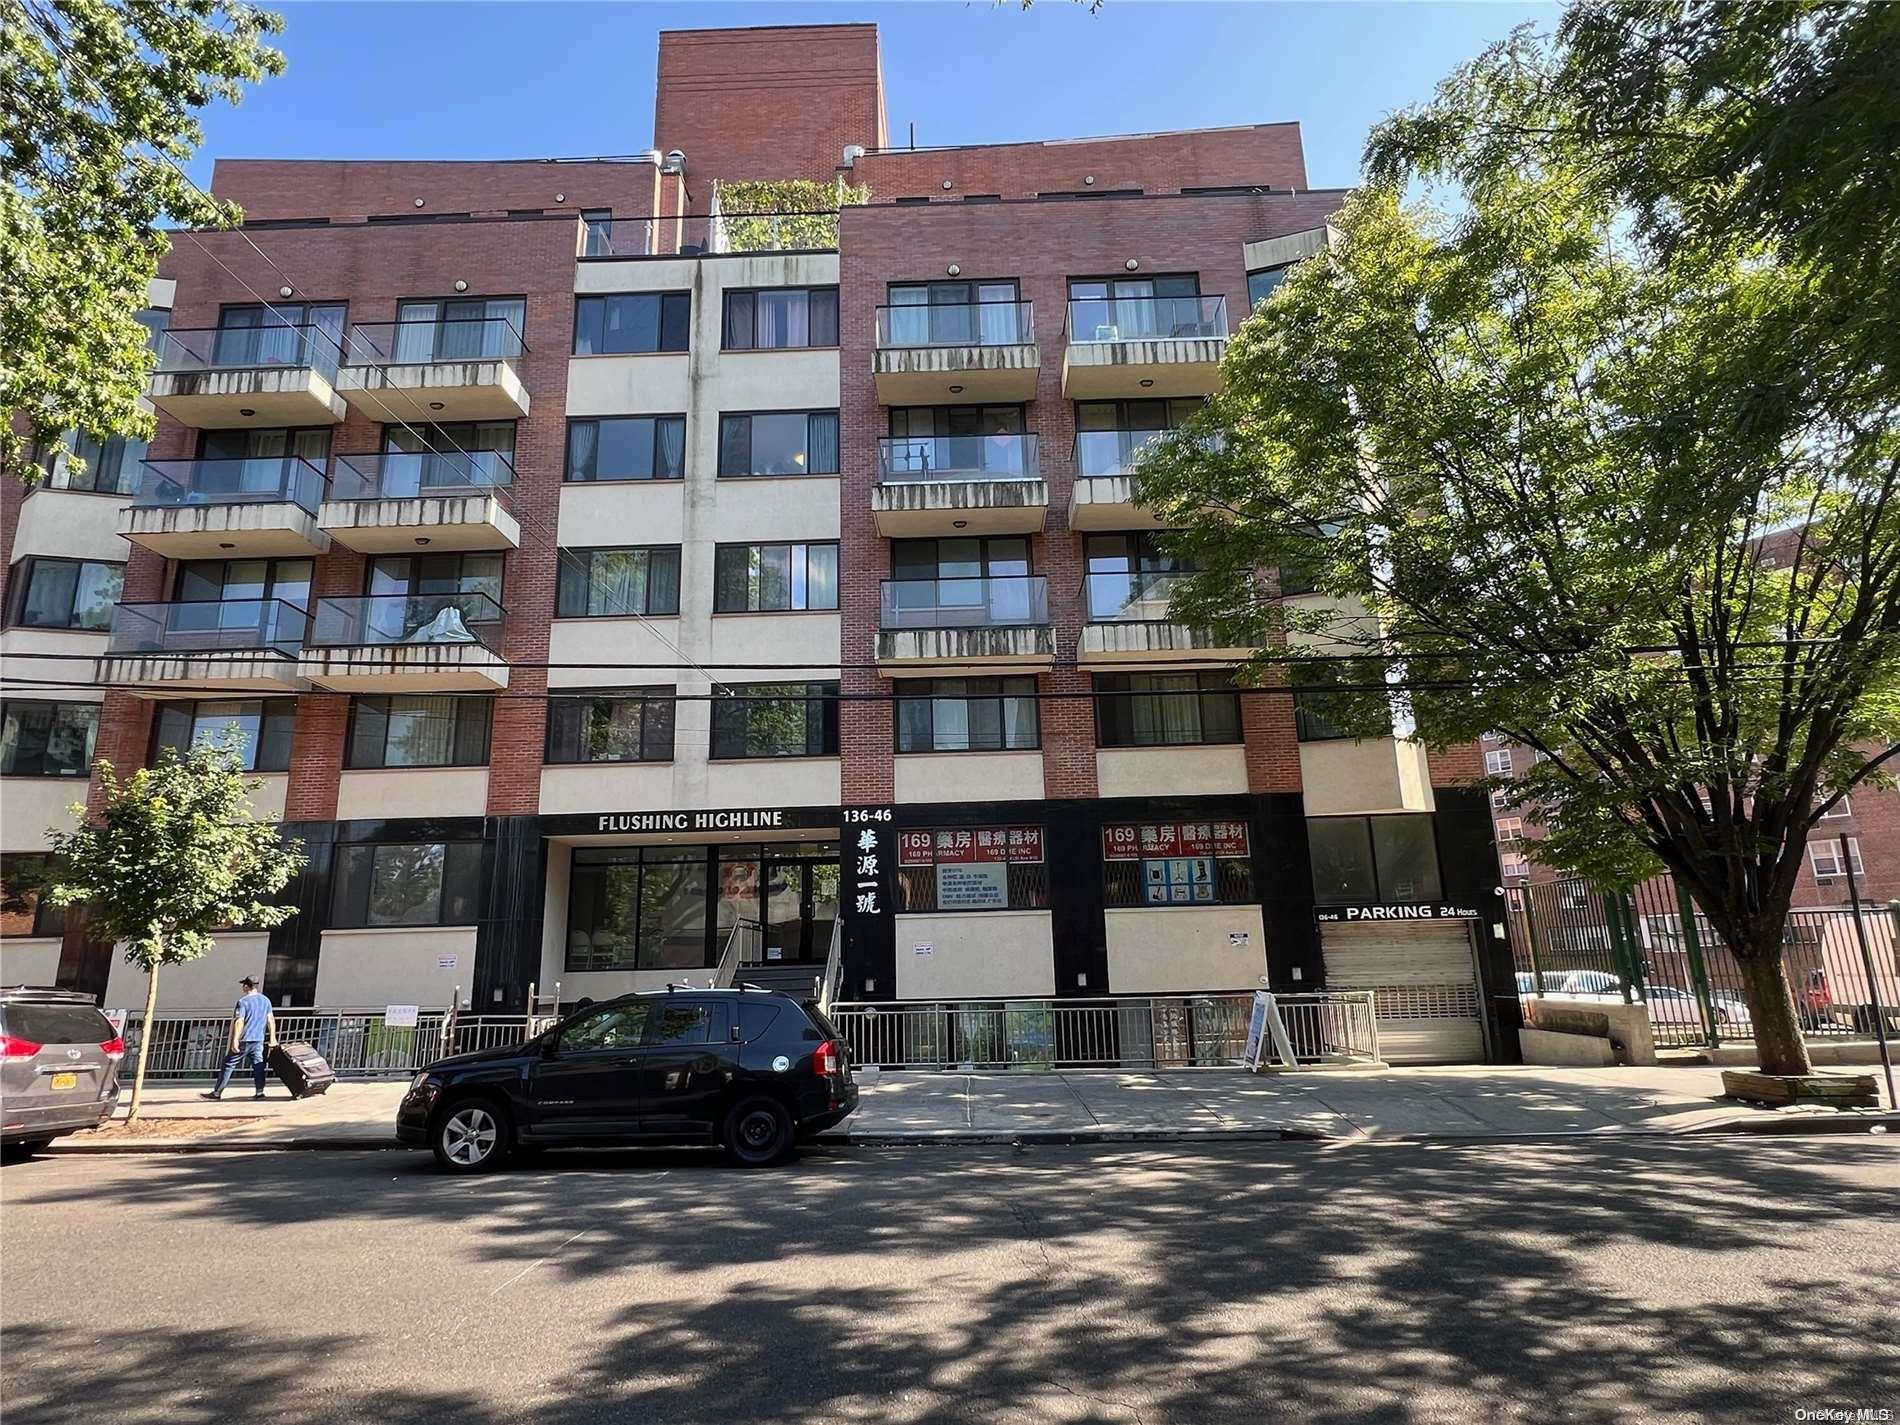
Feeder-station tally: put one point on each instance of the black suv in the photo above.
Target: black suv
(749, 1069)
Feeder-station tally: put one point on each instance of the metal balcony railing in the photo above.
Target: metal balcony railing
(996, 601)
(1094, 319)
(425, 340)
(212, 625)
(190, 349)
(1130, 596)
(382, 619)
(956, 324)
(788, 230)
(252, 480)
(906, 460)
(408, 475)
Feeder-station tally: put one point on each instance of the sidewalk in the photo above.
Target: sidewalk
(1477, 1102)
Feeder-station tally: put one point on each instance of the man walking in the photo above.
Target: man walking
(253, 1027)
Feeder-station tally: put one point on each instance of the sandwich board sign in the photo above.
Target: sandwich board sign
(1266, 1025)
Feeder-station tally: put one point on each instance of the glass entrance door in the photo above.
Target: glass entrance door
(800, 904)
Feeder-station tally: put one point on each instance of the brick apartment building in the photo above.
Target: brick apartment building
(590, 580)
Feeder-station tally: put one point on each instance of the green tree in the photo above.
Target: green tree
(98, 106)
(175, 856)
(770, 214)
(1556, 474)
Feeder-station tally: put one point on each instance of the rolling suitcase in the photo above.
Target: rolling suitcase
(304, 1071)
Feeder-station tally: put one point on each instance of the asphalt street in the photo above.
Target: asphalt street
(1733, 1280)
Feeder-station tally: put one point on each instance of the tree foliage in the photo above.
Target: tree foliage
(770, 214)
(98, 102)
(1573, 460)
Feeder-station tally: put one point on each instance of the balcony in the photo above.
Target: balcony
(220, 645)
(406, 643)
(1129, 623)
(1000, 621)
(259, 507)
(238, 377)
(1103, 495)
(396, 501)
(959, 484)
(451, 370)
(1144, 346)
(967, 351)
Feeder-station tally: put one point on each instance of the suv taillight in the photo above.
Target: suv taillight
(827, 1060)
(12, 1047)
(114, 1046)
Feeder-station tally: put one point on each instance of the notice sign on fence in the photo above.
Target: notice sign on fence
(445, 962)
(400, 1016)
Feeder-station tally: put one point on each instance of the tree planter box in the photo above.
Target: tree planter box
(1831, 1090)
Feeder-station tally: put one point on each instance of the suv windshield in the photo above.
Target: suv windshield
(56, 1023)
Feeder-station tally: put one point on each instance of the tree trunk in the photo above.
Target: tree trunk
(145, 1041)
(1778, 1040)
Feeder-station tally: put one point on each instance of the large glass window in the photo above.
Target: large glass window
(627, 448)
(955, 314)
(612, 1027)
(66, 593)
(776, 720)
(971, 868)
(408, 730)
(610, 583)
(1166, 709)
(459, 329)
(1111, 435)
(456, 453)
(407, 883)
(244, 581)
(632, 322)
(1130, 576)
(763, 578)
(626, 725)
(24, 909)
(638, 908)
(47, 739)
(284, 334)
(775, 318)
(113, 467)
(779, 443)
(966, 714)
(1177, 863)
(1373, 858)
(265, 725)
(436, 574)
(1261, 284)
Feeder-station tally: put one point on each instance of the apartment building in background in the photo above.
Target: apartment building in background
(593, 570)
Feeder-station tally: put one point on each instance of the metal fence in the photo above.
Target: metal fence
(357, 1043)
(1654, 945)
(1144, 1032)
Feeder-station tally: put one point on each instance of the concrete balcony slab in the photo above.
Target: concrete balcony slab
(1159, 366)
(220, 671)
(435, 391)
(446, 522)
(1007, 646)
(950, 507)
(404, 668)
(1108, 502)
(248, 396)
(946, 375)
(263, 529)
(1154, 643)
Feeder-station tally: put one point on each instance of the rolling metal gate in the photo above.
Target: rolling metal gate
(1423, 981)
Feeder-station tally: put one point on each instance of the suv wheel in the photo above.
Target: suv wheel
(758, 1132)
(470, 1136)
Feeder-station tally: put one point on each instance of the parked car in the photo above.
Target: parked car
(752, 1070)
(59, 1066)
(1553, 982)
(1589, 983)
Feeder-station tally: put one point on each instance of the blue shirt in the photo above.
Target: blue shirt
(251, 1011)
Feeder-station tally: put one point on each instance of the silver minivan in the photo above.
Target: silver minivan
(59, 1066)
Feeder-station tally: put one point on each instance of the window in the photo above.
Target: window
(24, 910)
(630, 725)
(286, 334)
(1310, 725)
(616, 1027)
(962, 557)
(1510, 828)
(776, 720)
(423, 574)
(1515, 865)
(1497, 762)
(1111, 435)
(266, 725)
(1166, 709)
(113, 467)
(597, 232)
(609, 583)
(627, 448)
(415, 883)
(1260, 285)
(954, 314)
(416, 458)
(926, 440)
(458, 329)
(966, 714)
(631, 322)
(1134, 308)
(1839, 809)
(776, 318)
(1826, 857)
(412, 731)
(66, 593)
(779, 443)
(764, 578)
(675, 1022)
(971, 868)
(638, 908)
(1130, 577)
(1177, 863)
(1373, 858)
(47, 739)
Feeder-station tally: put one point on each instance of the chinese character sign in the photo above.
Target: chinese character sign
(1161, 840)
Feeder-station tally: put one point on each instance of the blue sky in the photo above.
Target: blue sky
(528, 80)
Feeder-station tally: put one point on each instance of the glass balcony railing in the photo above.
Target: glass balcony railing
(418, 343)
(254, 480)
(1111, 452)
(1146, 318)
(213, 625)
(409, 475)
(995, 601)
(381, 619)
(1130, 596)
(907, 460)
(785, 230)
(957, 324)
(242, 348)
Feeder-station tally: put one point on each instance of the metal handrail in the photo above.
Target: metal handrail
(833, 975)
(745, 935)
